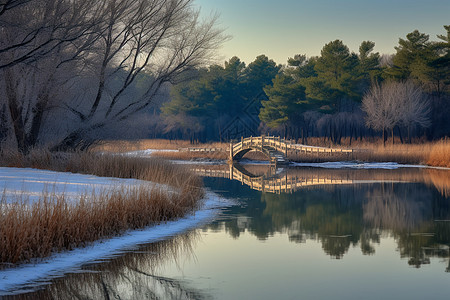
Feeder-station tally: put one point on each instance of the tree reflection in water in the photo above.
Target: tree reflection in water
(133, 275)
(405, 204)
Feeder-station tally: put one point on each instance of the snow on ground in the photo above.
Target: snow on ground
(28, 276)
(147, 152)
(199, 162)
(356, 165)
(32, 183)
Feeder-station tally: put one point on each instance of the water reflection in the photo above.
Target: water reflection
(267, 178)
(134, 275)
(347, 208)
(338, 210)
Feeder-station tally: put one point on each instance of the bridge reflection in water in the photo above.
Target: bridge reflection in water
(273, 180)
(269, 178)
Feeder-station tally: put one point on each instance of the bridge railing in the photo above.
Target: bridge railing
(282, 145)
(260, 141)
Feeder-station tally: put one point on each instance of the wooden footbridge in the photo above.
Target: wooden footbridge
(276, 148)
(277, 184)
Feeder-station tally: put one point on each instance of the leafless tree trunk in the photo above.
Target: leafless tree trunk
(6, 5)
(40, 38)
(395, 103)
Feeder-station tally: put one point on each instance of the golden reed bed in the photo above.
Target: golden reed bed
(52, 224)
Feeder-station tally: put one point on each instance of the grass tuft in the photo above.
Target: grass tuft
(440, 154)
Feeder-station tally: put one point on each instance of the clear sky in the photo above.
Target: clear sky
(282, 28)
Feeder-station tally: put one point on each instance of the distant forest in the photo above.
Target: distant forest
(73, 72)
(335, 95)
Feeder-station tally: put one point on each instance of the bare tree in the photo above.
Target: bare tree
(41, 41)
(68, 67)
(395, 103)
(6, 5)
(161, 38)
(415, 109)
(35, 29)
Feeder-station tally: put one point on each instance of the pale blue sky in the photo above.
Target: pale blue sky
(283, 28)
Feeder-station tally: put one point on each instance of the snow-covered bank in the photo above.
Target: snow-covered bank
(30, 183)
(28, 276)
(147, 152)
(356, 165)
(199, 162)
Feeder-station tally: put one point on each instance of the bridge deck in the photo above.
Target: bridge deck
(269, 144)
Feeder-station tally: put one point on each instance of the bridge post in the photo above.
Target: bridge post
(285, 148)
(262, 141)
(231, 151)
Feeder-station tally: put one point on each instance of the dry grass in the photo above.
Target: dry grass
(420, 152)
(150, 169)
(187, 155)
(121, 146)
(433, 154)
(440, 154)
(319, 157)
(32, 230)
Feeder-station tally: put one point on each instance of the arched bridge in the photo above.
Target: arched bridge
(275, 148)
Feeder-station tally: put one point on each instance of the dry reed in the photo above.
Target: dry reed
(30, 230)
(190, 155)
(35, 230)
(430, 153)
(121, 146)
(440, 154)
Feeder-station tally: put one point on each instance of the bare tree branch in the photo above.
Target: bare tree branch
(396, 103)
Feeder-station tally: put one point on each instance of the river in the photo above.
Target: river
(295, 233)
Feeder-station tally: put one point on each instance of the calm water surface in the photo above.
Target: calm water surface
(331, 234)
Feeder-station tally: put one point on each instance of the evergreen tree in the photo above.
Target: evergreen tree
(337, 68)
(369, 65)
(412, 54)
(258, 74)
(286, 101)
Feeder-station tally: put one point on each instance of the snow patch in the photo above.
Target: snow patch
(147, 152)
(356, 165)
(28, 276)
(199, 162)
(30, 184)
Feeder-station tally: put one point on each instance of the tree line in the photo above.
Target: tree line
(337, 94)
(73, 72)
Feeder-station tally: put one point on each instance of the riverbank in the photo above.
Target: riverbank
(31, 229)
(435, 154)
(19, 279)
